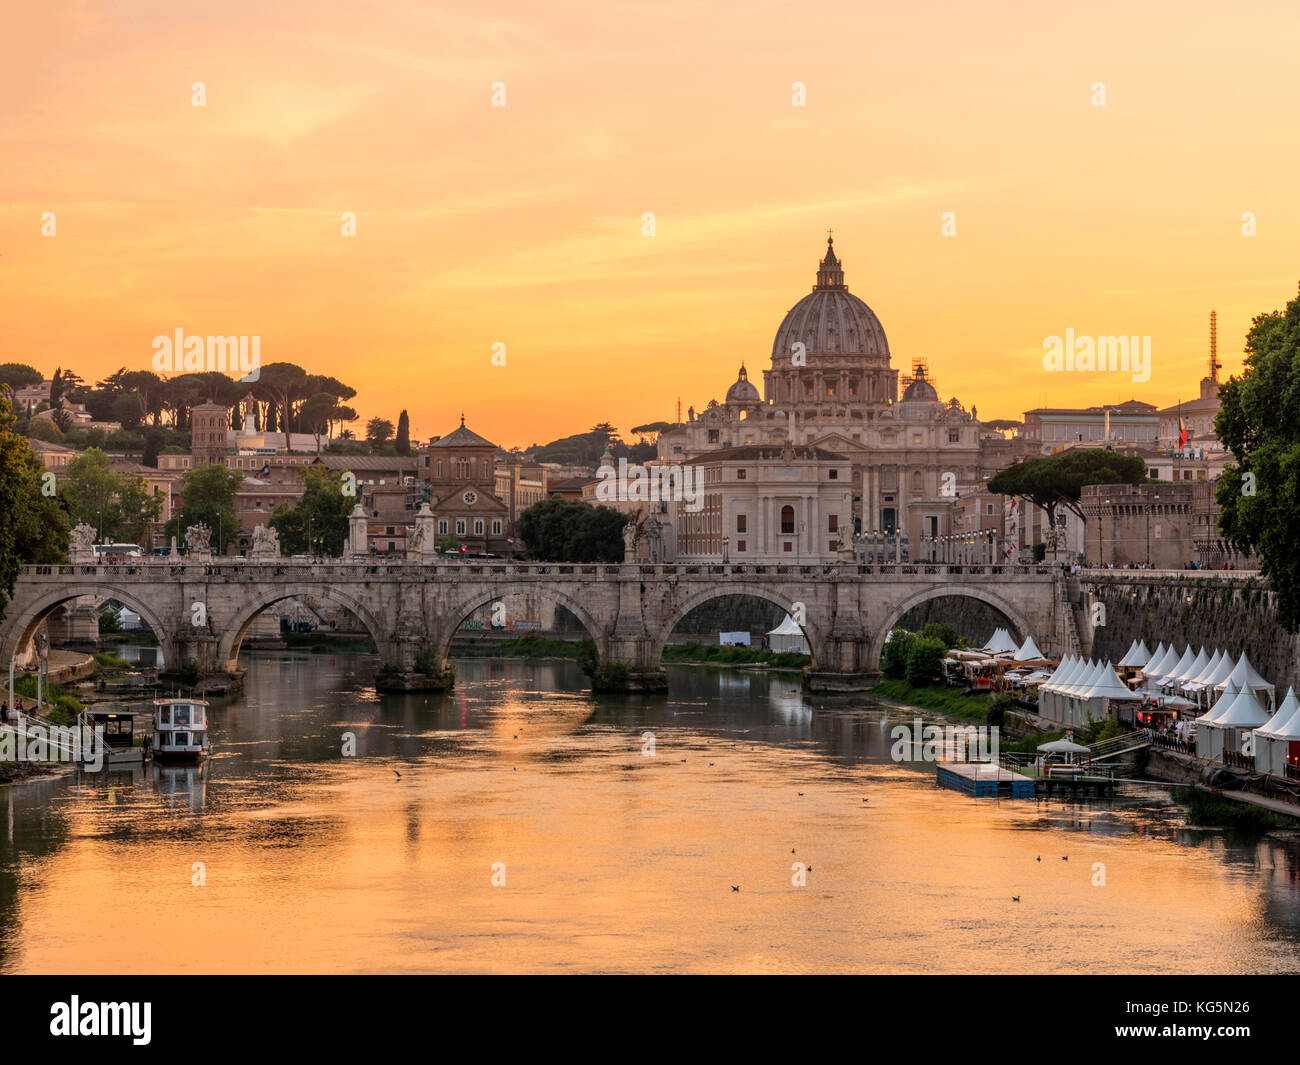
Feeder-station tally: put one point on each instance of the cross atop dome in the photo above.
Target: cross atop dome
(830, 274)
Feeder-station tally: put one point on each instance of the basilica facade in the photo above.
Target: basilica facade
(832, 387)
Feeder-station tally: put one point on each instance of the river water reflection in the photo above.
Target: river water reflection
(282, 855)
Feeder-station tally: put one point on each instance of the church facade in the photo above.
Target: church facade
(832, 386)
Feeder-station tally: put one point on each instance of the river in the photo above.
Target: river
(611, 850)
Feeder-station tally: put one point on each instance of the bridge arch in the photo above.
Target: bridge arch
(463, 608)
(24, 617)
(720, 591)
(1019, 624)
(232, 634)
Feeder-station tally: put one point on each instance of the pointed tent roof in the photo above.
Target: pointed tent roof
(1108, 685)
(1060, 673)
(1221, 672)
(1136, 657)
(1000, 642)
(786, 628)
(1163, 665)
(1203, 677)
(1179, 667)
(1225, 700)
(1191, 672)
(1285, 724)
(1246, 676)
(1245, 712)
(1084, 680)
(1156, 655)
(1028, 650)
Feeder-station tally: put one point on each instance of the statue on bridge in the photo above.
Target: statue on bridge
(631, 533)
(81, 545)
(266, 543)
(421, 543)
(198, 539)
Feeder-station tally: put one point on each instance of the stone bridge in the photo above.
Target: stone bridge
(412, 610)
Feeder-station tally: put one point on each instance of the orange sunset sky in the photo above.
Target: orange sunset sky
(523, 224)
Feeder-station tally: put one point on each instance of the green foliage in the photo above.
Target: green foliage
(1259, 422)
(41, 525)
(190, 673)
(428, 662)
(924, 660)
(999, 704)
(708, 652)
(1058, 480)
(943, 632)
(569, 530)
(109, 621)
(943, 700)
(402, 443)
(321, 513)
(379, 431)
(16, 375)
(45, 429)
(1040, 551)
(209, 498)
(119, 506)
(893, 659)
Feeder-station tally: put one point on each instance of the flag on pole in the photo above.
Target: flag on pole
(1182, 432)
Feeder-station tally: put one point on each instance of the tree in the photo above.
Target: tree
(569, 530)
(315, 415)
(319, 523)
(44, 429)
(403, 442)
(1058, 480)
(41, 528)
(893, 659)
(56, 387)
(16, 375)
(118, 505)
(33, 527)
(126, 409)
(924, 661)
(1259, 422)
(379, 431)
(154, 441)
(208, 494)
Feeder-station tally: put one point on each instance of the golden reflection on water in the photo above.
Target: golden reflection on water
(613, 860)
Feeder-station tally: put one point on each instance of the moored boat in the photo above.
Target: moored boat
(180, 730)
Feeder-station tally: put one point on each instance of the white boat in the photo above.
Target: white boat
(180, 730)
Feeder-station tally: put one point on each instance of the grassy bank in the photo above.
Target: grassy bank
(1238, 817)
(517, 647)
(320, 643)
(712, 654)
(942, 700)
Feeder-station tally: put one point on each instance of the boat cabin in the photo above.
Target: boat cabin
(180, 730)
(119, 738)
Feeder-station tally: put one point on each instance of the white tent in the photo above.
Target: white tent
(1075, 712)
(1028, 651)
(1273, 741)
(1240, 719)
(1171, 675)
(1156, 655)
(1245, 676)
(1161, 665)
(1202, 679)
(1209, 739)
(1191, 672)
(1048, 691)
(1000, 642)
(1136, 656)
(788, 637)
(1104, 689)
